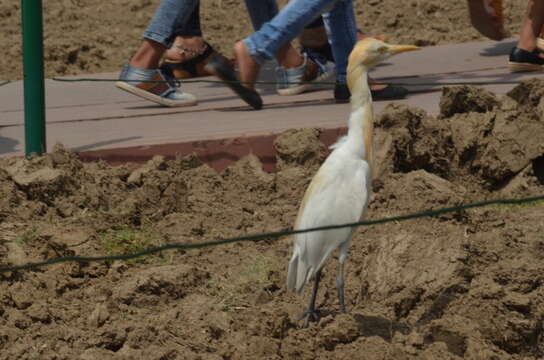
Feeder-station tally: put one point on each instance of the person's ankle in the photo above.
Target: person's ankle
(148, 55)
(292, 60)
(185, 48)
(142, 63)
(313, 37)
(526, 45)
(293, 64)
(248, 67)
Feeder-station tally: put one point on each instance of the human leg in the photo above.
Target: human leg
(188, 56)
(263, 11)
(192, 26)
(169, 16)
(159, 35)
(264, 43)
(188, 42)
(532, 25)
(273, 39)
(314, 34)
(141, 76)
(342, 33)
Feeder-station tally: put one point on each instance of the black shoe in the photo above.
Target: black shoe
(341, 93)
(523, 60)
(220, 67)
(390, 92)
(192, 67)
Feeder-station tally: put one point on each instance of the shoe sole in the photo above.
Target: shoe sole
(220, 67)
(180, 73)
(524, 67)
(304, 87)
(154, 98)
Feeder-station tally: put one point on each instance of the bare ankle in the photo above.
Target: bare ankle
(186, 47)
(148, 55)
(247, 66)
(290, 58)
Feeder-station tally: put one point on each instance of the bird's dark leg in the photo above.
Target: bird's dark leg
(340, 287)
(312, 313)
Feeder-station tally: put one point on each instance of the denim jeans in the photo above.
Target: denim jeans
(276, 29)
(261, 11)
(181, 17)
(192, 26)
(171, 15)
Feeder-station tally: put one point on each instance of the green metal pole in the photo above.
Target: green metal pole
(32, 24)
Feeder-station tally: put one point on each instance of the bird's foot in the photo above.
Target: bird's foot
(310, 315)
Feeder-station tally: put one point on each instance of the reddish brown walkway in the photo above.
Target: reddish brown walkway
(91, 116)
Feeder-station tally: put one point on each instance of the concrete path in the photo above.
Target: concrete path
(90, 116)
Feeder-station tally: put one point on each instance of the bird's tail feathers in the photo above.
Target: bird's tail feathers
(298, 272)
(292, 273)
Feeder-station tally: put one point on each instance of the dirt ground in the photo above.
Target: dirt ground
(85, 36)
(463, 285)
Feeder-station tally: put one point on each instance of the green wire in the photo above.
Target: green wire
(271, 235)
(303, 82)
(476, 83)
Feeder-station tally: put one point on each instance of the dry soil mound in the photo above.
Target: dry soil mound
(467, 284)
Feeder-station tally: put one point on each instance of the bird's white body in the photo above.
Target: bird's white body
(337, 194)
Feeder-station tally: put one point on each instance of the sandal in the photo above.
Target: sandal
(522, 60)
(221, 67)
(193, 67)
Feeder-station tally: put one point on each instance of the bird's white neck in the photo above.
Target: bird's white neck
(361, 125)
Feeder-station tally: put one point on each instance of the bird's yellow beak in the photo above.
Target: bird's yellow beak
(396, 49)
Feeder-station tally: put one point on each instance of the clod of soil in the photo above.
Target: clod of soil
(465, 99)
(467, 284)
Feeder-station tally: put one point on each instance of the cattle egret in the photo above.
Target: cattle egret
(340, 189)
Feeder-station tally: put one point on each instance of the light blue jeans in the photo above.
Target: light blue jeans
(274, 29)
(169, 16)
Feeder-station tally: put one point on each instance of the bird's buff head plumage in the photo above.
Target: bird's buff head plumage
(370, 52)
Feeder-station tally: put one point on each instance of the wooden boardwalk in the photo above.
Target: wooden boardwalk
(97, 117)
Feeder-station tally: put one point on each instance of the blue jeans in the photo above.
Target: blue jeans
(192, 26)
(181, 17)
(276, 29)
(170, 16)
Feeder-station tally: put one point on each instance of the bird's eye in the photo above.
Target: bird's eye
(382, 49)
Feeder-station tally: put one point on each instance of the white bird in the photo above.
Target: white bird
(339, 191)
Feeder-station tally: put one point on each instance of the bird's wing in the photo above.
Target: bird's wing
(338, 194)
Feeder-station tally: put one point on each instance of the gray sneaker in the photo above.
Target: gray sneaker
(153, 85)
(300, 79)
